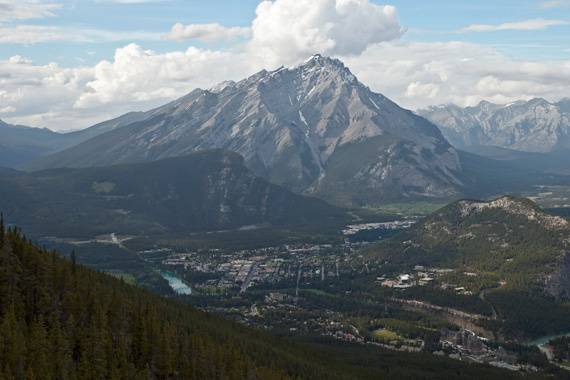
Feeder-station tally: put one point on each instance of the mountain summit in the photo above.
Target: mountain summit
(313, 128)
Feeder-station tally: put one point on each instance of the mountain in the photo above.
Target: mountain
(533, 126)
(21, 144)
(205, 191)
(509, 240)
(505, 258)
(313, 128)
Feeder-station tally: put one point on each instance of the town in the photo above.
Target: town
(284, 289)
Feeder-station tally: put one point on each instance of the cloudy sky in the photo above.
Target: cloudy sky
(67, 64)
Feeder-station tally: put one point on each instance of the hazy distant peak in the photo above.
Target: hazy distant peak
(536, 125)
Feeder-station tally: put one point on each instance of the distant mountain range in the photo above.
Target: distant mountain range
(313, 128)
(205, 191)
(21, 144)
(532, 126)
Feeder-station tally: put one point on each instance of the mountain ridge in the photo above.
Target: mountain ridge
(204, 191)
(20, 144)
(536, 125)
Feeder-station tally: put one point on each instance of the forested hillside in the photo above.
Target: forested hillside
(59, 320)
(205, 191)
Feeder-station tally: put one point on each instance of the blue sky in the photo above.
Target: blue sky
(153, 17)
(435, 20)
(65, 64)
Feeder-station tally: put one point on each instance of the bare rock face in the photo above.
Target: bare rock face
(515, 206)
(533, 126)
(558, 283)
(313, 128)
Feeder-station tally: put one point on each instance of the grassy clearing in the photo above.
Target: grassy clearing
(386, 336)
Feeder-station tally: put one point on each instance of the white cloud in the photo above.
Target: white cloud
(33, 34)
(32, 92)
(535, 24)
(8, 109)
(18, 59)
(24, 9)
(138, 76)
(417, 75)
(285, 31)
(206, 32)
(136, 79)
(423, 90)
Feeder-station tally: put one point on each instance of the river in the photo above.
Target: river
(176, 284)
(545, 339)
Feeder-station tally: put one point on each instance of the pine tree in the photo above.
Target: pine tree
(73, 261)
(38, 351)
(2, 231)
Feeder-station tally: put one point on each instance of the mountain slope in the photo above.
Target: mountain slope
(296, 128)
(61, 320)
(533, 126)
(20, 144)
(205, 191)
(556, 162)
(510, 238)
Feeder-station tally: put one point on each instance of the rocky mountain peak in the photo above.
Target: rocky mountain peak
(222, 86)
(486, 105)
(514, 206)
(328, 65)
(324, 61)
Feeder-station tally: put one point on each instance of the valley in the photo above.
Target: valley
(554, 198)
(338, 289)
(420, 276)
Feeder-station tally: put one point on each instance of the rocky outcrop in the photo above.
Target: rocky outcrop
(515, 206)
(558, 283)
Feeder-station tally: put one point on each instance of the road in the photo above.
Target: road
(493, 310)
(248, 278)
